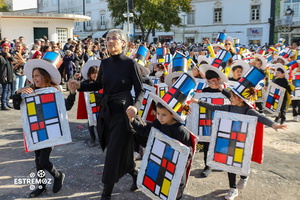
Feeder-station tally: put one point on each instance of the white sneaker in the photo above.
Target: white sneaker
(296, 118)
(232, 193)
(242, 183)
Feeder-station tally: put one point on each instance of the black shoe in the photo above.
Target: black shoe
(5, 108)
(37, 192)
(276, 119)
(58, 182)
(92, 144)
(206, 171)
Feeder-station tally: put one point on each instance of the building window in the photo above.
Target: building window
(217, 15)
(77, 23)
(102, 19)
(191, 18)
(54, 2)
(255, 12)
(294, 4)
(62, 35)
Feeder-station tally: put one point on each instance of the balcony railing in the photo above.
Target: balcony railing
(283, 22)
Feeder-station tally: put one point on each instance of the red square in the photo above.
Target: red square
(217, 101)
(167, 97)
(276, 96)
(47, 97)
(233, 136)
(95, 109)
(171, 167)
(268, 105)
(208, 122)
(34, 126)
(202, 122)
(241, 80)
(164, 163)
(221, 158)
(172, 90)
(144, 101)
(149, 183)
(297, 77)
(241, 137)
(42, 125)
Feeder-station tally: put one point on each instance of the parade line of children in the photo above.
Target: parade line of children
(228, 70)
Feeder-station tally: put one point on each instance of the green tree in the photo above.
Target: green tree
(150, 14)
(3, 6)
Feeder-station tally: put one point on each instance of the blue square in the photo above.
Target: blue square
(236, 126)
(206, 130)
(297, 83)
(270, 99)
(277, 91)
(255, 76)
(42, 135)
(49, 110)
(222, 145)
(152, 170)
(168, 153)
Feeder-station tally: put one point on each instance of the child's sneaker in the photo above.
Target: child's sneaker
(296, 119)
(242, 183)
(232, 193)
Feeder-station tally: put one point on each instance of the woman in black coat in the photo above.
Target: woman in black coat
(117, 75)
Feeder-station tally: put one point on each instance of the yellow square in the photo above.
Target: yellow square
(92, 98)
(202, 110)
(238, 155)
(165, 187)
(31, 108)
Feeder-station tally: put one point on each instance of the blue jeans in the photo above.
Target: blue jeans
(5, 94)
(19, 82)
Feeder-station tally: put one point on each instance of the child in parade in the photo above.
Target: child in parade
(282, 81)
(238, 105)
(166, 123)
(43, 76)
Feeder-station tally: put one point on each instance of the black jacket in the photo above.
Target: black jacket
(6, 69)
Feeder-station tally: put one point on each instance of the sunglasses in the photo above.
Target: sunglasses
(227, 44)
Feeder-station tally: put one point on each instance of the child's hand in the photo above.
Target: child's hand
(193, 100)
(25, 90)
(279, 126)
(72, 87)
(77, 75)
(131, 113)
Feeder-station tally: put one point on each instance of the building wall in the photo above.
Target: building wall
(25, 27)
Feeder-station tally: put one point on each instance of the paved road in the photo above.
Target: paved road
(277, 178)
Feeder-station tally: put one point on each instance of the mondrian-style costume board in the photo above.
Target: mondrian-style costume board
(44, 119)
(167, 161)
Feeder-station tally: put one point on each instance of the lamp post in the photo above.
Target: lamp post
(183, 27)
(128, 15)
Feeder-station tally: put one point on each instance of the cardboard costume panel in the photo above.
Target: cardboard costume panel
(162, 166)
(296, 83)
(200, 119)
(200, 84)
(274, 97)
(44, 119)
(143, 112)
(161, 89)
(91, 107)
(231, 142)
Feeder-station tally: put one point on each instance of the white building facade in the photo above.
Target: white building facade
(243, 19)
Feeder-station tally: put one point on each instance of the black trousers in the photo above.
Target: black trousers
(296, 107)
(205, 150)
(42, 159)
(232, 179)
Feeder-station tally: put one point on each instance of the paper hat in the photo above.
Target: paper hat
(229, 38)
(145, 71)
(280, 66)
(221, 38)
(281, 41)
(160, 54)
(50, 62)
(236, 42)
(203, 58)
(177, 68)
(249, 80)
(241, 63)
(262, 59)
(218, 65)
(177, 95)
(218, 45)
(142, 55)
(92, 61)
(284, 55)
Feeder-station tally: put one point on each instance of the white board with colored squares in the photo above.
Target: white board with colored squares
(147, 100)
(231, 142)
(273, 98)
(199, 121)
(296, 83)
(91, 107)
(44, 119)
(162, 166)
